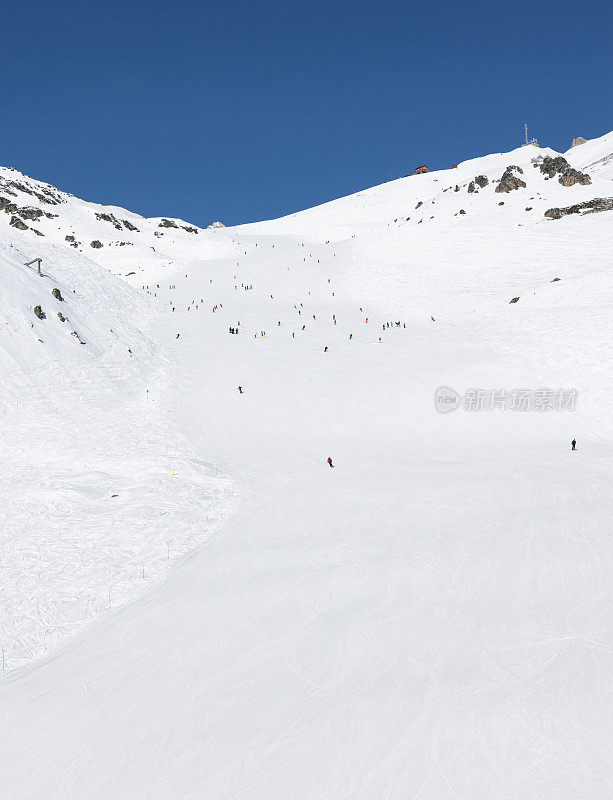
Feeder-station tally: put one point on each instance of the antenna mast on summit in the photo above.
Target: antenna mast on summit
(526, 129)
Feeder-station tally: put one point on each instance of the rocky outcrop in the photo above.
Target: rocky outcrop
(550, 167)
(109, 218)
(167, 223)
(508, 182)
(579, 140)
(96, 244)
(38, 312)
(30, 213)
(57, 294)
(7, 206)
(217, 224)
(589, 207)
(481, 181)
(514, 300)
(18, 223)
(44, 194)
(128, 225)
(69, 238)
(189, 228)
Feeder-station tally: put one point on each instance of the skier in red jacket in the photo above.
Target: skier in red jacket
(330, 462)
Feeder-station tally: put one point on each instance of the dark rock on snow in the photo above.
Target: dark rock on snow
(588, 207)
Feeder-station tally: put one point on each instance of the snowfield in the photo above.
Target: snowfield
(429, 619)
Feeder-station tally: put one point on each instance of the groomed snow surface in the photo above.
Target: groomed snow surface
(430, 619)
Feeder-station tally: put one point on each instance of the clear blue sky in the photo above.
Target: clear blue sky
(247, 111)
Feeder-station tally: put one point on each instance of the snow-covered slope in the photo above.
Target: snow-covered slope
(118, 239)
(594, 157)
(428, 619)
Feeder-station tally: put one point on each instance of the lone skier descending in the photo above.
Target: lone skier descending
(330, 462)
(574, 443)
(240, 389)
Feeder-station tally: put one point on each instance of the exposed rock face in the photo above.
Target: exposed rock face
(62, 318)
(573, 176)
(45, 195)
(57, 294)
(462, 211)
(509, 182)
(471, 186)
(18, 223)
(7, 206)
(109, 218)
(550, 167)
(128, 225)
(589, 207)
(514, 300)
(217, 224)
(96, 244)
(579, 140)
(481, 181)
(189, 228)
(39, 312)
(69, 238)
(167, 223)
(30, 213)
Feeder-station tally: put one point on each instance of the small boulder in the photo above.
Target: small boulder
(514, 300)
(481, 181)
(462, 211)
(57, 294)
(38, 312)
(96, 244)
(555, 279)
(418, 205)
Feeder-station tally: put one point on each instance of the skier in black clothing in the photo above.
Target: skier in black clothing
(573, 443)
(240, 389)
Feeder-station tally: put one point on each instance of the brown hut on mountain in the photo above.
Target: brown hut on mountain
(419, 170)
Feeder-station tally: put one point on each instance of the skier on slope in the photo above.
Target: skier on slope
(330, 462)
(574, 443)
(240, 389)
